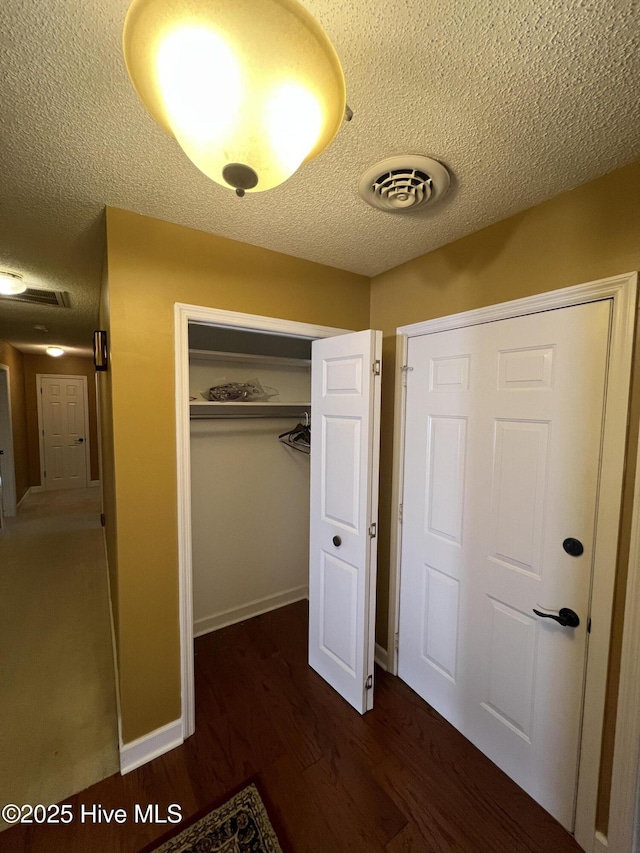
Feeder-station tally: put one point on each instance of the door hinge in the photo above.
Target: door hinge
(589, 625)
(404, 370)
(377, 367)
(396, 640)
(369, 682)
(400, 514)
(373, 529)
(103, 520)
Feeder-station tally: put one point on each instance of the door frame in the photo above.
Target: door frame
(87, 440)
(11, 499)
(624, 810)
(183, 315)
(622, 291)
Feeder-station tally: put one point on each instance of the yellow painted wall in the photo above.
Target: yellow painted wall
(587, 234)
(72, 366)
(14, 360)
(107, 456)
(152, 265)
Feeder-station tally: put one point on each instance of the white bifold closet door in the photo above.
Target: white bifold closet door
(345, 401)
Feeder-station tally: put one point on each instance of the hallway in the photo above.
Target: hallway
(58, 725)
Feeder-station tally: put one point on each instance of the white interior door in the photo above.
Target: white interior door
(345, 406)
(502, 449)
(64, 442)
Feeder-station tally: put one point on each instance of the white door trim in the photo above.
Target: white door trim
(9, 466)
(397, 487)
(622, 290)
(624, 812)
(183, 314)
(87, 440)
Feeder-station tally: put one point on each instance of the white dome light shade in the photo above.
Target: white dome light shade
(250, 89)
(11, 284)
(56, 352)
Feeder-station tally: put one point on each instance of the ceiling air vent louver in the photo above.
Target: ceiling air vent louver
(36, 296)
(404, 183)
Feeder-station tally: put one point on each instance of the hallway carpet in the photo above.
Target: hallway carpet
(58, 724)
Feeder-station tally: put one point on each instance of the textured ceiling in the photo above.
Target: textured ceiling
(521, 100)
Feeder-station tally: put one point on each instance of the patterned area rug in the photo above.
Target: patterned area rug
(241, 825)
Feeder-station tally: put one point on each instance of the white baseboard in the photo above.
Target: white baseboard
(94, 482)
(381, 657)
(249, 610)
(34, 489)
(114, 642)
(156, 743)
(601, 844)
(150, 746)
(26, 495)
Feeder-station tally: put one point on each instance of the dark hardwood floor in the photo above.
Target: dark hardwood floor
(398, 779)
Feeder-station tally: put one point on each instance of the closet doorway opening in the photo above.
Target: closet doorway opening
(243, 497)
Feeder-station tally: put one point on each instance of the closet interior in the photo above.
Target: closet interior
(250, 434)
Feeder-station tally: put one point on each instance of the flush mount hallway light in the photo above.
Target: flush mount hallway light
(56, 352)
(250, 89)
(11, 284)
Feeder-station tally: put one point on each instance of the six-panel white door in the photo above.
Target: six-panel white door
(63, 423)
(345, 402)
(502, 446)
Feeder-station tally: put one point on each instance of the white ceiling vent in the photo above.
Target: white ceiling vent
(37, 296)
(404, 183)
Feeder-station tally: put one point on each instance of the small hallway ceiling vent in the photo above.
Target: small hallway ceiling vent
(404, 183)
(36, 296)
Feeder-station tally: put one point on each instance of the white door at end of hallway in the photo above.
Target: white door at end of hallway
(64, 442)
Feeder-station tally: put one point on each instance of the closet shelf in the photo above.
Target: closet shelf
(206, 409)
(274, 361)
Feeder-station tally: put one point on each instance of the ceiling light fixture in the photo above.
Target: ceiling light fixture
(56, 352)
(250, 89)
(11, 283)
